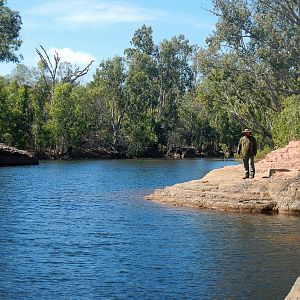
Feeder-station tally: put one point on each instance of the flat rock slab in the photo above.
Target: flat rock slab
(10, 156)
(294, 293)
(225, 190)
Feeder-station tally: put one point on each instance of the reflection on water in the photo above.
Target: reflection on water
(81, 230)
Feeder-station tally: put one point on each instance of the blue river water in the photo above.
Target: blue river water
(82, 230)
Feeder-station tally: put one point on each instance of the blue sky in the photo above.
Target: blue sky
(81, 30)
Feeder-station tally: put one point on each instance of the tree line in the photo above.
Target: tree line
(164, 94)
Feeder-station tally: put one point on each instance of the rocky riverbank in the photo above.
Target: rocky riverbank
(76, 153)
(275, 188)
(10, 156)
(294, 293)
(109, 152)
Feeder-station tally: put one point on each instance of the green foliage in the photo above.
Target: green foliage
(158, 78)
(10, 26)
(140, 136)
(40, 133)
(7, 139)
(67, 117)
(143, 40)
(24, 75)
(21, 116)
(224, 128)
(225, 149)
(169, 93)
(4, 113)
(286, 124)
(16, 114)
(109, 88)
(263, 152)
(252, 60)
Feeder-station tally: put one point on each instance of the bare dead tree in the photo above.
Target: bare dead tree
(53, 66)
(49, 67)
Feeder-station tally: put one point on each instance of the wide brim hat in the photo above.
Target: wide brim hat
(247, 130)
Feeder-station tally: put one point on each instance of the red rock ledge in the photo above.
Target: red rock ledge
(294, 293)
(275, 189)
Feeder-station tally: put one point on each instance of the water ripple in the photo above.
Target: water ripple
(81, 230)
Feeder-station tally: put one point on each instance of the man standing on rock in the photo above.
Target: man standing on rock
(247, 149)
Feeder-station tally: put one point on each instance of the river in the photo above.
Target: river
(82, 230)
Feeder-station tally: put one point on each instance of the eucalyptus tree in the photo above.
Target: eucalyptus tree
(21, 114)
(10, 26)
(24, 75)
(287, 124)
(59, 79)
(15, 113)
(30, 78)
(109, 89)
(252, 60)
(175, 79)
(141, 82)
(5, 136)
(158, 78)
(66, 124)
(40, 115)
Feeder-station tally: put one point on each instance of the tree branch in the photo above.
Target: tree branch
(79, 73)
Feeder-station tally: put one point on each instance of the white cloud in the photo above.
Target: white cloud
(94, 12)
(69, 55)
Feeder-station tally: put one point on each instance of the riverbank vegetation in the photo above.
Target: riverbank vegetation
(161, 94)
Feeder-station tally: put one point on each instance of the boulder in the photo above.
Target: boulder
(10, 156)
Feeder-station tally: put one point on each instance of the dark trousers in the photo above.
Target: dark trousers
(249, 166)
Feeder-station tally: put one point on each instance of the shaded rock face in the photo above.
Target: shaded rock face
(10, 156)
(79, 153)
(224, 189)
(181, 152)
(82, 153)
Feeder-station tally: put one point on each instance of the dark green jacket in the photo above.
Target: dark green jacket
(247, 146)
